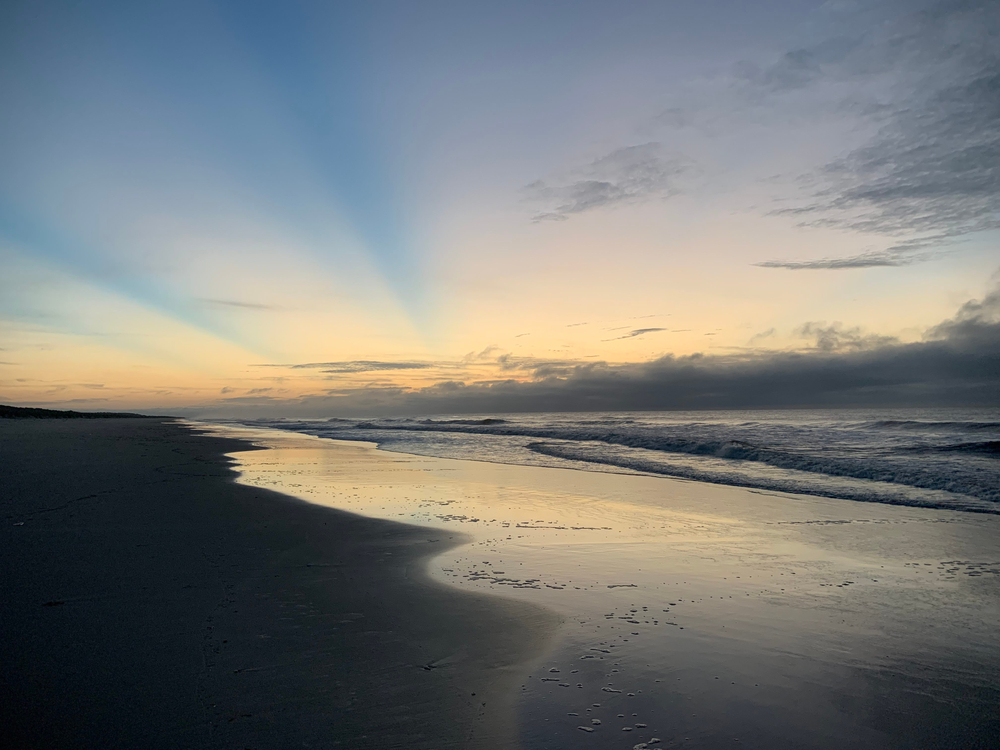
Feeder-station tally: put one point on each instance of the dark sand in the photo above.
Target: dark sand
(149, 601)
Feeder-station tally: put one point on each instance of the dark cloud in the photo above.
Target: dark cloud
(636, 332)
(626, 175)
(975, 325)
(958, 363)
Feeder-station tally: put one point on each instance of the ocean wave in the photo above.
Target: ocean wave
(955, 454)
(865, 490)
(931, 425)
(486, 421)
(988, 447)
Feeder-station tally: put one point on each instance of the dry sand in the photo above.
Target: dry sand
(149, 601)
(699, 615)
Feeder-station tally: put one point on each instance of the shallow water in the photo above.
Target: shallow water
(710, 614)
(946, 458)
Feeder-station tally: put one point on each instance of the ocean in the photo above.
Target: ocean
(943, 458)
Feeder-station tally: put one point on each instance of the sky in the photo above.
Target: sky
(314, 208)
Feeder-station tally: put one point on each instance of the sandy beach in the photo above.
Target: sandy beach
(149, 601)
(699, 615)
(338, 595)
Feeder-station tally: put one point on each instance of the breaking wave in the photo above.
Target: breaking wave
(944, 458)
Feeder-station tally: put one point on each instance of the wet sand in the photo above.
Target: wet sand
(699, 615)
(150, 601)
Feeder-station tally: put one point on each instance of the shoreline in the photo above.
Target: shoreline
(152, 599)
(964, 486)
(696, 614)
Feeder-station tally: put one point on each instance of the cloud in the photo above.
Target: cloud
(763, 335)
(485, 354)
(235, 304)
(636, 332)
(957, 363)
(540, 368)
(880, 259)
(352, 366)
(836, 338)
(254, 401)
(488, 357)
(928, 175)
(627, 175)
(71, 401)
(975, 325)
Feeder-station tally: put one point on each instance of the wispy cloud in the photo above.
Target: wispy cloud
(763, 335)
(636, 332)
(490, 352)
(928, 176)
(627, 175)
(230, 303)
(352, 366)
(880, 259)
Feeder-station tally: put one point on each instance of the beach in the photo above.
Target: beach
(151, 601)
(699, 615)
(195, 585)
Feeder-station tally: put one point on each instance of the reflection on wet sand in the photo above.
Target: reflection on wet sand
(700, 615)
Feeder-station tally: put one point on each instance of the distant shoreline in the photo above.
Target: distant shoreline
(28, 412)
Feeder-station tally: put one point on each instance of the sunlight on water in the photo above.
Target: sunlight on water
(948, 458)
